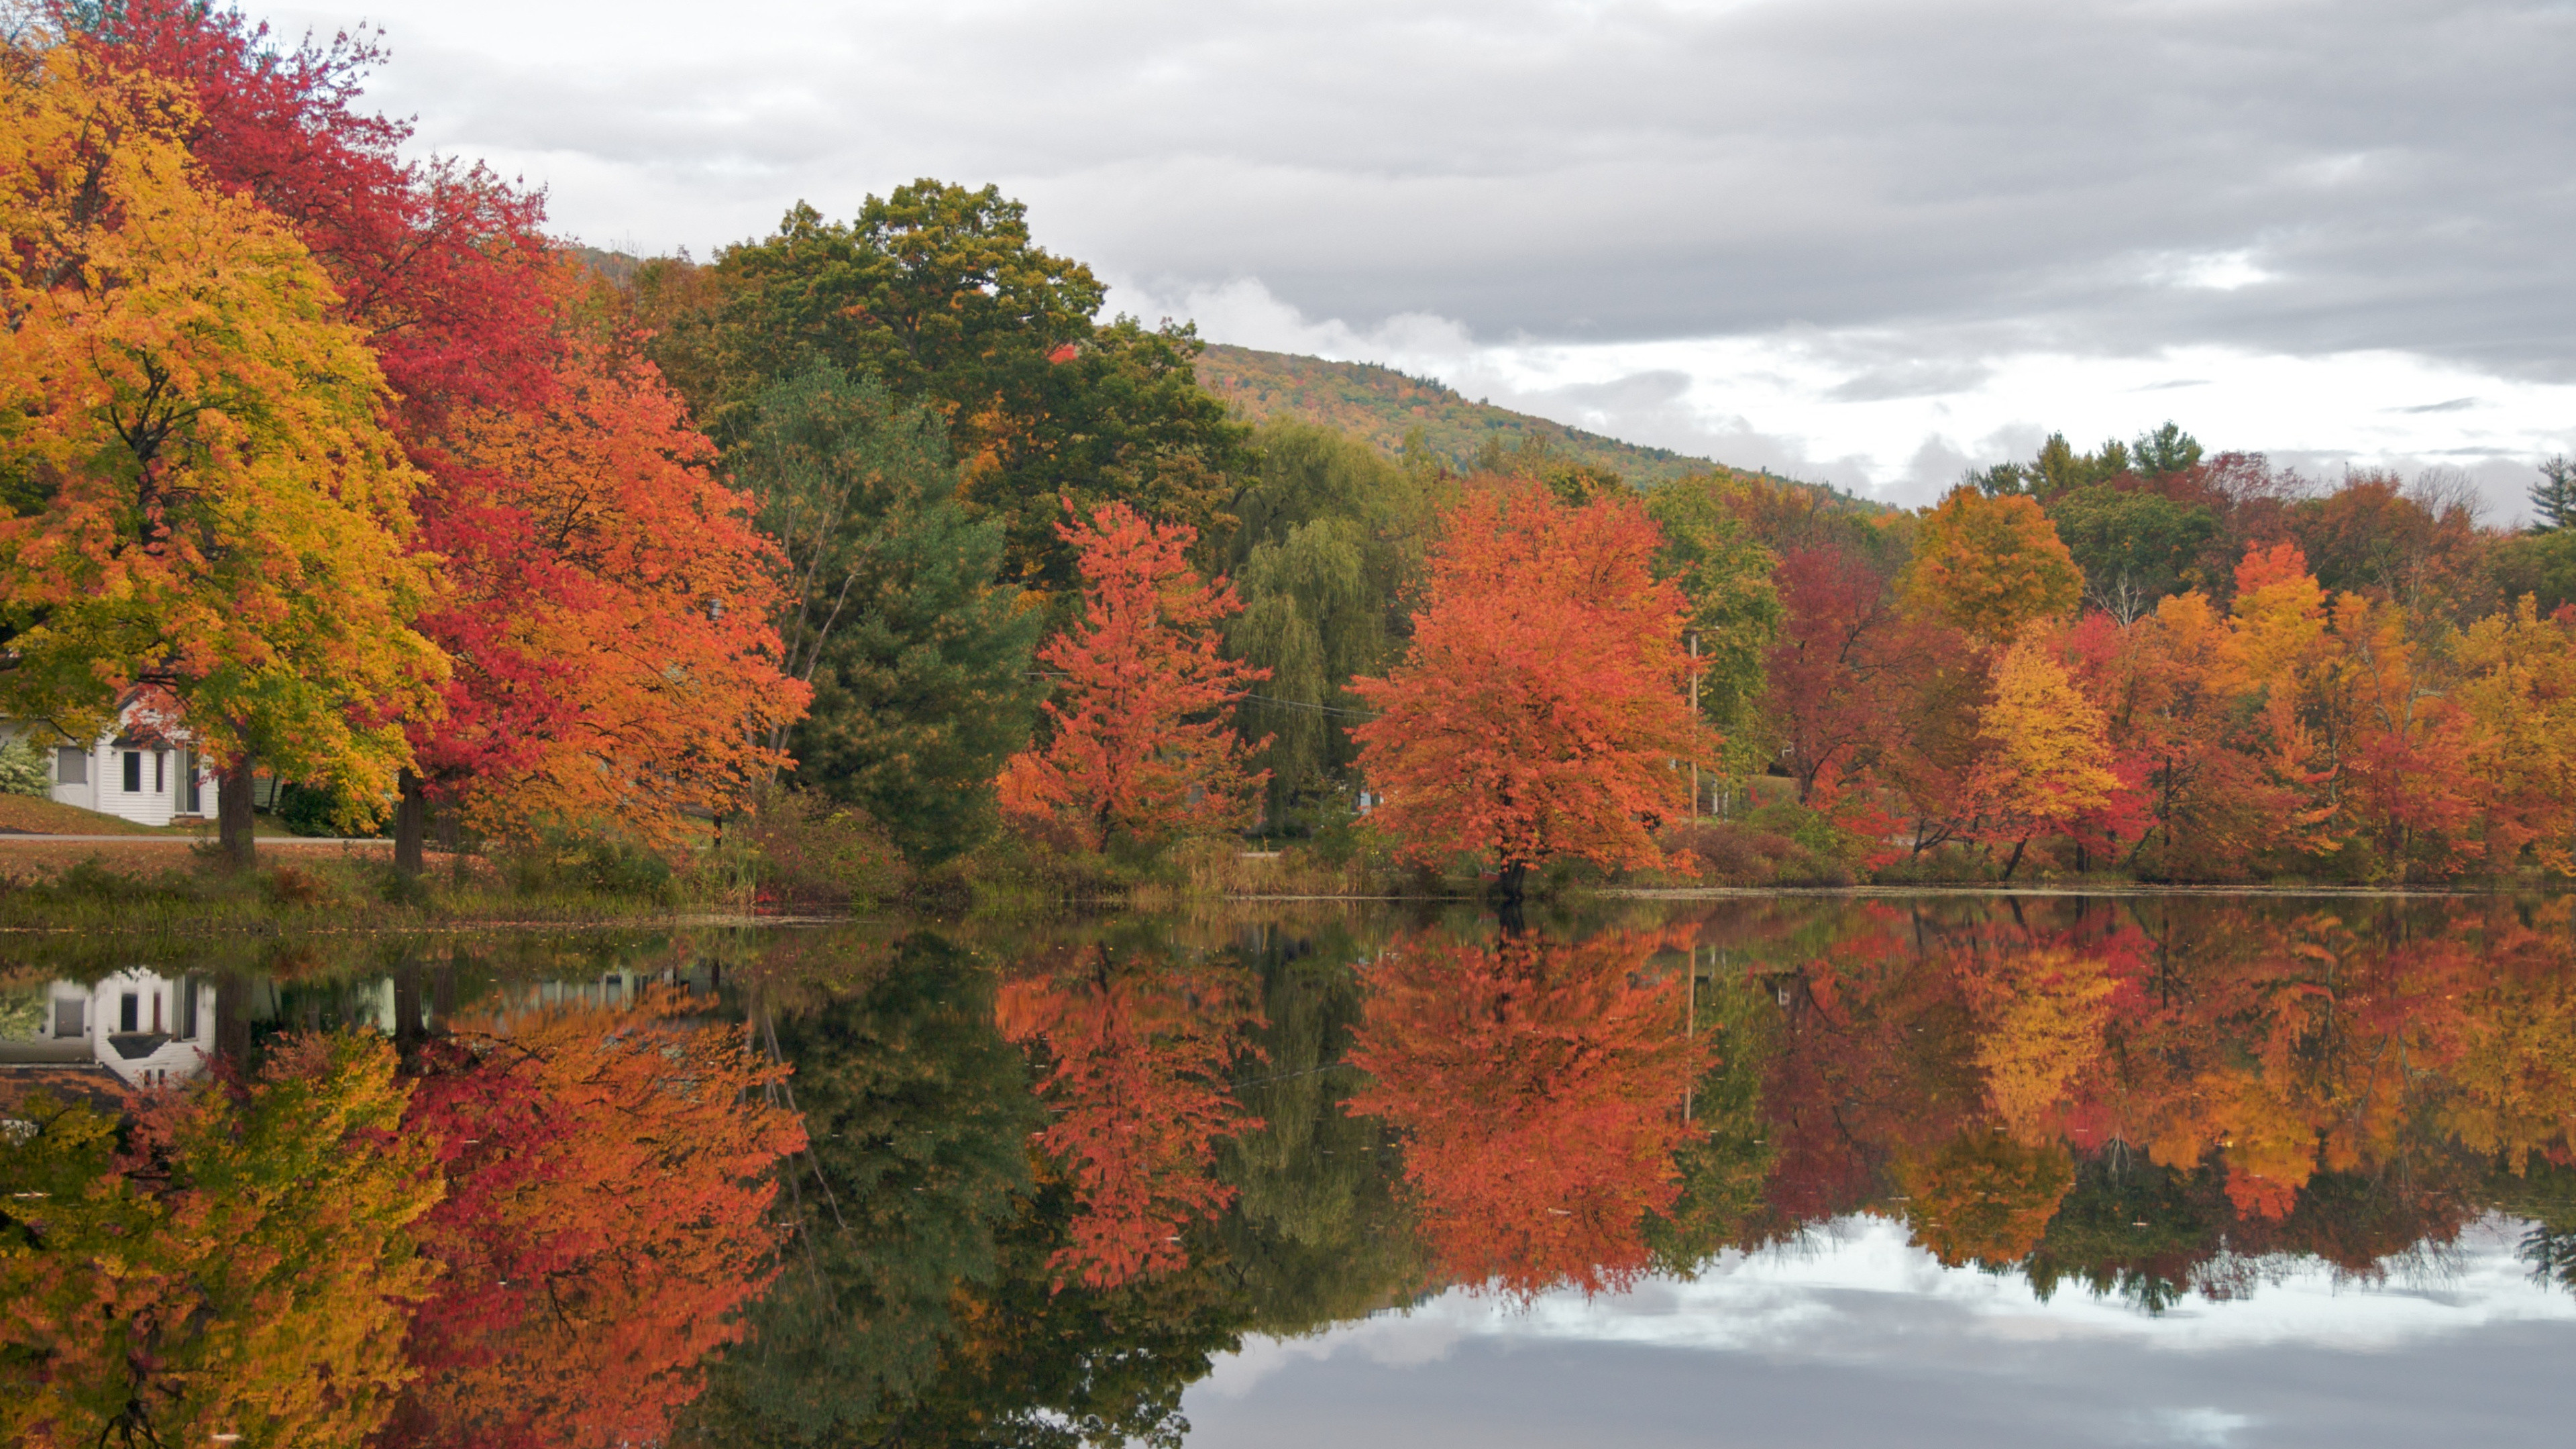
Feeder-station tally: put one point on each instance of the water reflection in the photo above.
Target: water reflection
(967, 1185)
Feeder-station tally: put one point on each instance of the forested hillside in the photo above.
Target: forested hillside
(1385, 406)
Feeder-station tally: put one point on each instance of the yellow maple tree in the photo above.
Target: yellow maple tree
(196, 488)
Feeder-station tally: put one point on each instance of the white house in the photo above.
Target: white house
(146, 769)
(148, 1030)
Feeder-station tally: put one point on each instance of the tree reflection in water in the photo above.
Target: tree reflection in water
(957, 1186)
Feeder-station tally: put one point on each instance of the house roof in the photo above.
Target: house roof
(96, 1085)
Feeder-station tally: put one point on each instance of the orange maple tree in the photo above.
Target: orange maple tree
(606, 1215)
(1993, 566)
(1544, 703)
(1538, 1085)
(1136, 1060)
(1139, 743)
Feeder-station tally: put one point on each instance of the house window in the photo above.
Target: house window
(133, 772)
(192, 800)
(129, 1012)
(160, 759)
(71, 766)
(68, 1014)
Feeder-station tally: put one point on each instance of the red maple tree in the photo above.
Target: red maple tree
(1139, 742)
(1545, 701)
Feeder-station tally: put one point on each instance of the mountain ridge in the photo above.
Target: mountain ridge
(1384, 407)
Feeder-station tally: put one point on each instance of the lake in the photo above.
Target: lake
(2222, 1169)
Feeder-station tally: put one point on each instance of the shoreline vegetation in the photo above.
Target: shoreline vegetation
(872, 564)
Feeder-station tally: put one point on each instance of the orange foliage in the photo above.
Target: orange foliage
(1993, 566)
(1543, 706)
(204, 495)
(619, 662)
(1140, 743)
(1137, 1056)
(1539, 1088)
(607, 1214)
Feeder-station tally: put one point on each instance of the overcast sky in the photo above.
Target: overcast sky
(1873, 242)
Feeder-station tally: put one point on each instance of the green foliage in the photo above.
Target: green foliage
(1328, 537)
(938, 293)
(1735, 610)
(1320, 1233)
(2058, 469)
(564, 861)
(918, 1113)
(23, 768)
(2553, 498)
(1723, 1176)
(811, 851)
(2134, 547)
(310, 809)
(2540, 564)
(918, 657)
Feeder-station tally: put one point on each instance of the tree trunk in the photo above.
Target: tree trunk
(2014, 864)
(1507, 886)
(232, 1020)
(233, 813)
(411, 825)
(408, 1035)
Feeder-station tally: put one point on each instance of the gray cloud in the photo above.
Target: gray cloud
(2094, 179)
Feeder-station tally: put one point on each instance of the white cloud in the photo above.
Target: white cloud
(1857, 1292)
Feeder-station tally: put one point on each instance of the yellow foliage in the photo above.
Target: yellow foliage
(195, 488)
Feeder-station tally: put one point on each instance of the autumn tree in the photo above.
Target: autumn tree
(242, 1272)
(2520, 696)
(1139, 748)
(201, 494)
(616, 655)
(1544, 702)
(894, 613)
(2044, 757)
(442, 268)
(1992, 565)
(607, 1216)
(1134, 1056)
(1538, 1087)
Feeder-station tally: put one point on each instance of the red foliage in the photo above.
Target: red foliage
(610, 624)
(443, 267)
(606, 1215)
(1539, 1087)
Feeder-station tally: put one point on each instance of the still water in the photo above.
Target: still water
(2204, 1170)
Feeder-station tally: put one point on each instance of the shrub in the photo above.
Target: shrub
(22, 768)
(572, 862)
(807, 850)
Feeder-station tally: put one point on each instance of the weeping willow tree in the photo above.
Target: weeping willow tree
(1329, 537)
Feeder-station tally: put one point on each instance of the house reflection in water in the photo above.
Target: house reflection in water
(144, 1029)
